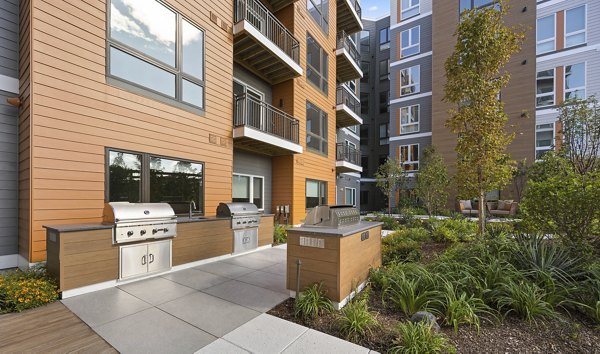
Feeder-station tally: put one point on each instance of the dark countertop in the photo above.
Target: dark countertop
(101, 226)
(341, 232)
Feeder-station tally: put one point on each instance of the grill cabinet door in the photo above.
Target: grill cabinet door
(159, 256)
(134, 260)
(245, 240)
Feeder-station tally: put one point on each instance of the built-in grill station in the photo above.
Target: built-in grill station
(140, 221)
(245, 218)
(332, 216)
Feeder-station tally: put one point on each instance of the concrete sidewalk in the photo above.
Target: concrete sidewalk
(214, 308)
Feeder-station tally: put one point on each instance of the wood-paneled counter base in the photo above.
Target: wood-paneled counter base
(84, 255)
(340, 259)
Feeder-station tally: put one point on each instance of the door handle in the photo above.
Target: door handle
(151, 257)
(144, 260)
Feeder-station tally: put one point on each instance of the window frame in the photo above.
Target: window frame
(352, 193)
(542, 130)
(411, 45)
(324, 140)
(320, 197)
(176, 70)
(323, 85)
(418, 123)
(409, 154)
(324, 20)
(409, 9)
(384, 76)
(553, 39)
(384, 45)
(584, 30)
(416, 84)
(387, 102)
(584, 87)
(251, 189)
(553, 93)
(145, 175)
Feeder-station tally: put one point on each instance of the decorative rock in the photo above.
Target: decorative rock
(427, 317)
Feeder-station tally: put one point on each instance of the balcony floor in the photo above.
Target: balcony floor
(345, 117)
(248, 138)
(346, 68)
(348, 19)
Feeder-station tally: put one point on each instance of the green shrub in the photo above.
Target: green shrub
(412, 291)
(24, 290)
(356, 321)
(378, 278)
(526, 300)
(459, 309)
(389, 222)
(312, 302)
(398, 247)
(495, 230)
(280, 234)
(453, 230)
(417, 338)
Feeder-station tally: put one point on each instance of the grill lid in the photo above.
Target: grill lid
(115, 212)
(236, 209)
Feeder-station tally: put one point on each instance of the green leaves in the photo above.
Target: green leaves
(432, 181)
(389, 177)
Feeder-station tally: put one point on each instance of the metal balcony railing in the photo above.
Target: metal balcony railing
(347, 153)
(356, 7)
(345, 97)
(266, 23)
(252, 112)
(344, 42)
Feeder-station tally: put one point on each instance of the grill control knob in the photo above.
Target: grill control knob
(129, 233)
(166, 230)
(142, 232)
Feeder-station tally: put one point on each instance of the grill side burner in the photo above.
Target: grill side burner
(245, 218)
(332, 216)
(140, 221)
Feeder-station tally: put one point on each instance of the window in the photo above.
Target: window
(409, 80)
(410, 8)
(316, 128)
(350, 194)
(384, 69)
(384, 133)
(316, 193)
(364, 163)
(353, 128)
(476, 4)
(351, 85)
(410, 42)
(545, 88)
(364, 103)
(544, 139)
(365, 42)
(364, 134)
(575, 26)
(409, 119)
(545, 34)
(319, 11)
(575, 81)
(156, 51)
(364, 67)
(249, 189)
(384, 101)
(316, 64)
(409, 157)
(137, 177)
(384, 39)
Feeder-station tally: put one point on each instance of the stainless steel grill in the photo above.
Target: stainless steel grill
(245, 218)
(140, 221)
(332, 216)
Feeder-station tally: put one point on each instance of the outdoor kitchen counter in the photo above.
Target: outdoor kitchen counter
(338, 232)
(80, 255)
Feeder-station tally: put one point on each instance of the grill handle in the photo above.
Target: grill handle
(144, 260)
(151, 256)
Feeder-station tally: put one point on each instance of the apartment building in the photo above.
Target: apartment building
(187, 102)
(374, 43)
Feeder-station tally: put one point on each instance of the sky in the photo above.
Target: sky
(375, 8)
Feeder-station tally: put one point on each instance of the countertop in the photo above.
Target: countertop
(341, 232)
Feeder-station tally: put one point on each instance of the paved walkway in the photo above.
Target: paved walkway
(214, 308)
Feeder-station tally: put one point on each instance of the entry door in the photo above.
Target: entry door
(254, 110)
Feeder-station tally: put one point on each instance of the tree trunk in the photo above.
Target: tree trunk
(481, 207)
(390, 204)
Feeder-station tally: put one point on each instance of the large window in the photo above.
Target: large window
(384, 101)
(409, 80)
(384, 39)
(575, 26)
(365, 42)
(409, 119)
(364, 103)
(545, 88)
(316, 193)
(350, 196)
(316, 64)
(410, 42)
(544, 139)
(384, 133)
(410, 8)
(155, 51)
(575, 81)
(384, 69)
(409, 157)
(364, 67)
(316, 128)
(137, 177)
(319, 11)
(249, 189)
(545, 34)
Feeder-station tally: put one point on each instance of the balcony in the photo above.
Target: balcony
(347, 108)
(262, 44)
(349, 16)
(348, 59)
(280, 4)
(262, 128)
(347, 159)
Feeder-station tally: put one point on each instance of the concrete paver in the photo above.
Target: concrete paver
(318, 342)
(254, 297)
(195, 278)
(157, 290)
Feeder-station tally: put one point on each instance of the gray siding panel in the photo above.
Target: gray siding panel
(347, 181)
(8, 176)
(9, 33)
(246, 163)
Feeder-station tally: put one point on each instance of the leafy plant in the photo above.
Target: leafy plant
(356, 321)
(411, 293)
(280, 234)
(398, 248)
(417, 338)
(389, 177)
(22, 290)
(495, 230)
(432, 181)
(453, 230)
(312, 302)
(459, 308)
(527, 300)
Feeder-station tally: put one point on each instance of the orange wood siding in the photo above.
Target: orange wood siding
(560, 30)
(77, 114)
(559, 89)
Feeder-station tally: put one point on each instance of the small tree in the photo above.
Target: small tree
(432, 181)
(389, 177)
(580, 122)
(475, 77)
